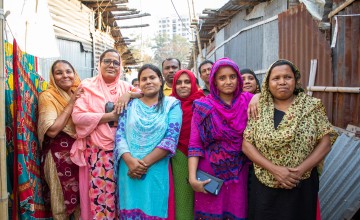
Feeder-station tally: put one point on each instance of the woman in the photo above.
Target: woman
(93, 149)
(146, 138)
(56, 133)
(184, 89)
(252, 85)
(286, 144)
(215, 147)
(251, 82)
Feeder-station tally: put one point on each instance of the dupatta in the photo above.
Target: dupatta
(54, 96)
(186, 106)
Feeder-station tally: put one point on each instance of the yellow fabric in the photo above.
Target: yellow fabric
(51, 104)
(167, 90)
(299, 132)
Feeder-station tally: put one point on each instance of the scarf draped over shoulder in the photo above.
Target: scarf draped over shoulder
(143, 128)
(220, 127)
(88, 111)
(51, 104)
(186, 106)
(230, 120)
(298, 133)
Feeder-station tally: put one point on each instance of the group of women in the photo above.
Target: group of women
(139, 159)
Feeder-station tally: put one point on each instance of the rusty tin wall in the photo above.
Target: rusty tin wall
(346, 65)
(300, 41)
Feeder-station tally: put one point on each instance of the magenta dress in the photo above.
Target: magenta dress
(216, 138)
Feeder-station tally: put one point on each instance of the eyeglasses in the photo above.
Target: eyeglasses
(115, 63)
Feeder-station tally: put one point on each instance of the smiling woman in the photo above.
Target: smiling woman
(56, 132)
(93, 149)
(184, 89)
(146, 138)
(251, 82)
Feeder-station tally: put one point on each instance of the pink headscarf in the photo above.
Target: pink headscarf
(88, 111)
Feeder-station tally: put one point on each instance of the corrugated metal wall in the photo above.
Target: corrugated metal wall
(102, 42)
(218, 40)
(339, 183)
(247, 49)
(300, 40)
(70, 51)
(251, 48)
(346, 63)
(72, 21)
(78, 41)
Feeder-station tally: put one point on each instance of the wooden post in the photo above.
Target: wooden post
(341, 7)
(117, 17)
(199, 43)
(312, 76)
(355, 90)
(132, 26)
(3, 175)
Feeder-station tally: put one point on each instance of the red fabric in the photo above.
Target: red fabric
(186, 106)
(171, 202)
(27, 197)
(67, 171)
(15, 208)
(318, 212)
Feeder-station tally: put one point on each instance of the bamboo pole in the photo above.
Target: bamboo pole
(199, 43)
(132, 26)
(3, 175)
(341, 7)
(334, 89)
(124, 17)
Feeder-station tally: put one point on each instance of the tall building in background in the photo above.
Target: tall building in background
(171, 26)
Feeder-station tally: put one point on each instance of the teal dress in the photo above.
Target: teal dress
(141, 129)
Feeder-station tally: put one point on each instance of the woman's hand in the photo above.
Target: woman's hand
(198, 186)
(122, 102)
(297, 172)
(78, 92)
(114, 116)
(137, 167)
(253, 107)
(285, 177)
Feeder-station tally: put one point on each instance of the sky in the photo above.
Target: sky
(159, 9)
(163, 8)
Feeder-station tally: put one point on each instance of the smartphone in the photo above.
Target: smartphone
(109, 107)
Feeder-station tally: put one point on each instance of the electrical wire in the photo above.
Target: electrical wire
(187, 29)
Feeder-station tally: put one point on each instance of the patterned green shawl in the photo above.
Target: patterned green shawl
(299, 132)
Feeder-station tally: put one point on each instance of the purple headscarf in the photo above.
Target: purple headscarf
(224, 62)
(230, 120)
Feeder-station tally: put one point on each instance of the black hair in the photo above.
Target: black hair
(169, 59)
(108, 51)
(293, 68)
(61, 61)
(134, 80)
(203, 63)
(158, 73)
(250, 71)
(197, 81)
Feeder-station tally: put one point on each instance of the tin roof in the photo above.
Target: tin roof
(339, 183)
